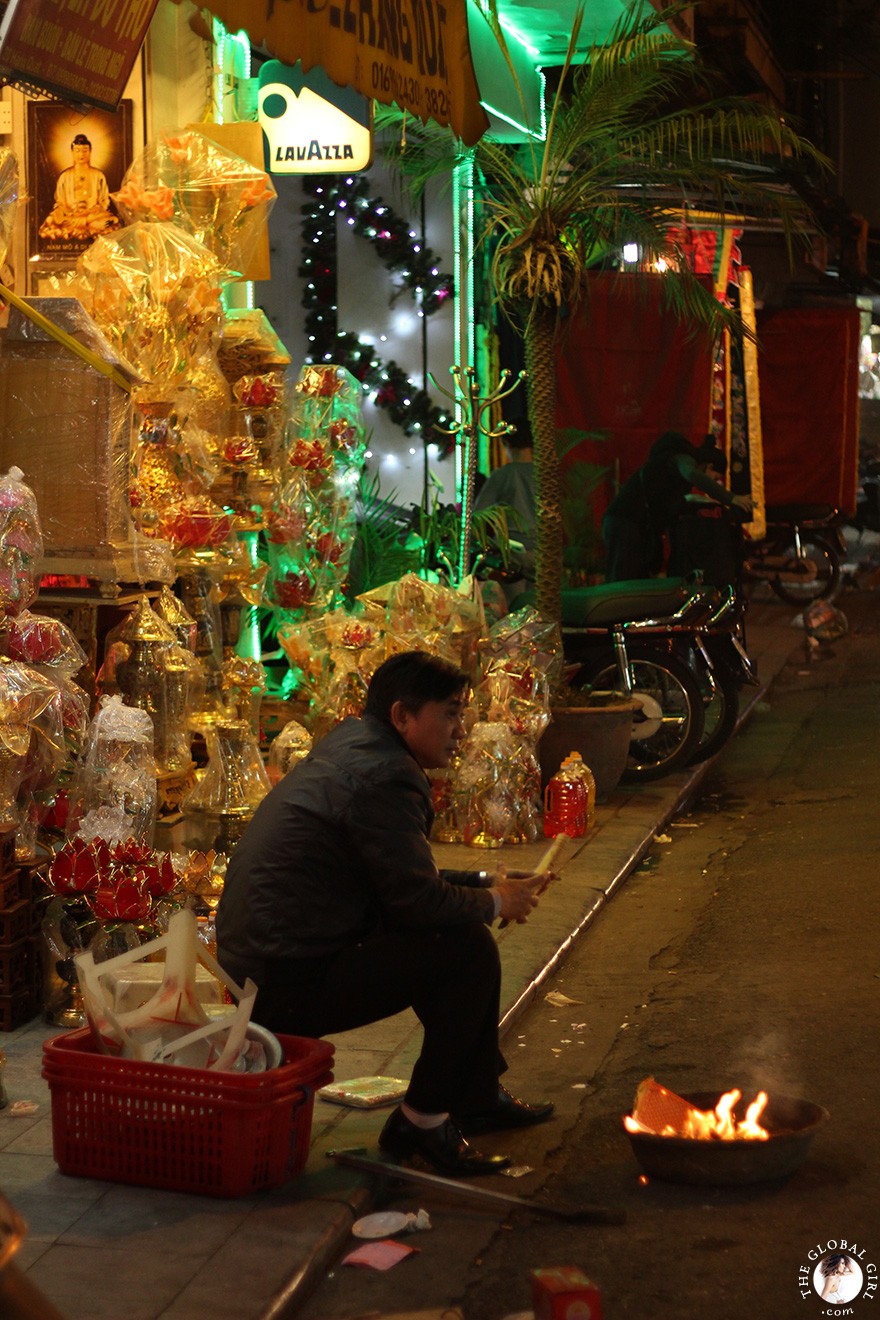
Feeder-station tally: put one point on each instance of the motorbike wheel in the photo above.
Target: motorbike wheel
(827, 582)
(666, 731)
(720, 712)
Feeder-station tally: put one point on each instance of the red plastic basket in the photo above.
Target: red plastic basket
(183, 1129)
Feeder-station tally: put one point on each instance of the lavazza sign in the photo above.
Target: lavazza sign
(310, 125)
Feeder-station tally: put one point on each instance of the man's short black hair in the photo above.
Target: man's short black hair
(80, 141)
(413, 677)
(520, 437)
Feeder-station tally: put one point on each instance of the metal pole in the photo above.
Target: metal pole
(595, 1214)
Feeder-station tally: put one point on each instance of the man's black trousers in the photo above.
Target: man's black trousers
(450, 977)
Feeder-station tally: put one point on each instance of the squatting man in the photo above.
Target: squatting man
(334, 906)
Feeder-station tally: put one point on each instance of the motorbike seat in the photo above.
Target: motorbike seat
(623, 602)
(798, 513)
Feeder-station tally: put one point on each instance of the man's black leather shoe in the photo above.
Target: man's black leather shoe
(443, 1147)
(508, 1113)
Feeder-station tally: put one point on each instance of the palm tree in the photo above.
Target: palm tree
(631, 132)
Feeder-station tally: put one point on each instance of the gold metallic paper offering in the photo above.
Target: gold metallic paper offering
(156, 296)
(171, 610)
(243, 683)
(142, 678)
(201, 874)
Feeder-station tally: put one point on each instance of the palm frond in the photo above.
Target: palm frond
(492, 527)
(422, 153)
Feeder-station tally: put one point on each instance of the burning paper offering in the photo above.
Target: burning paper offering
(665, 1114)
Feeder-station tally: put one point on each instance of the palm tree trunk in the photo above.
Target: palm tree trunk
(541, 368)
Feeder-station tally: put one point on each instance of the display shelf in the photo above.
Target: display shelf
(15, 922)
(17, 967)
(17, 1009)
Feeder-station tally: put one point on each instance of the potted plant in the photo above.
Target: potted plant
(637, 116)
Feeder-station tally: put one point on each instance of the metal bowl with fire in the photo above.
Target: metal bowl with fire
(720, 1139)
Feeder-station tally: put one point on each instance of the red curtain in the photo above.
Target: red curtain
(630, 369)
(808, 368)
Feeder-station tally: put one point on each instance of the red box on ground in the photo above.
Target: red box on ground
(563, 1292)
(183, 1129)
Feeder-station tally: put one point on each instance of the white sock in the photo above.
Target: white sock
(424, 1121)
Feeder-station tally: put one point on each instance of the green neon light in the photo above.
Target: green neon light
(469, 232)
(464, 323)
(530, 132)
(456, 317)
(220, 42)
(519, 38)
(513, 32)
(245, 42)
(221, 37)
(248, 644)
(241, 38)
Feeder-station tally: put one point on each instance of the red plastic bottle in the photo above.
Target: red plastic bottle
(565, 804)
(578, 765)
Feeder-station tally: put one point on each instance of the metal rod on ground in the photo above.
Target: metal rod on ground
(595, 1214)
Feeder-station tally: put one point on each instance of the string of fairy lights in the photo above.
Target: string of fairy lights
(404, 254)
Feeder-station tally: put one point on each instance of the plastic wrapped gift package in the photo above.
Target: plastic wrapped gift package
(216, 197)
(156, 296)
(496, 788)
(45, 643)
(26, 698)
(311, 523)
(233, 785)
(113, 795)
(292, 745)
(21, 544)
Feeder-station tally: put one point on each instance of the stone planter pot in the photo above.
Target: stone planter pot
(601, 732)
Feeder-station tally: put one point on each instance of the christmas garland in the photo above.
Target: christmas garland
(407, 404)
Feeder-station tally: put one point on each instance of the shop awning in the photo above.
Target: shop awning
(412, 52)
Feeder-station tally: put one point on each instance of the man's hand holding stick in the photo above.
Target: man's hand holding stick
(520, 890)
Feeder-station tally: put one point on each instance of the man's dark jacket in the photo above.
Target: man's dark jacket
(337, 850)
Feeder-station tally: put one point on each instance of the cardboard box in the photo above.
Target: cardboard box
(563, 1292)
(133, 986)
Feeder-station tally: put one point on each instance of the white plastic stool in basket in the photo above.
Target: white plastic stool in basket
(172, 1026)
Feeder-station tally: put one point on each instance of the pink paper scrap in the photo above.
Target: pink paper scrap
(379, 1255)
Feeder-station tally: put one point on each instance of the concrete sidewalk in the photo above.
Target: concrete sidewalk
(103, 1250)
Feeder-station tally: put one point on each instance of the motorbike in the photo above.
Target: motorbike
(723, 668)
(673, 645)
(800, 555)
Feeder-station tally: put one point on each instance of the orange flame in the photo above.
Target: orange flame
(682, 1119)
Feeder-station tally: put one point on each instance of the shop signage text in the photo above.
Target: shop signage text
(414, 52)
(82, 50)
